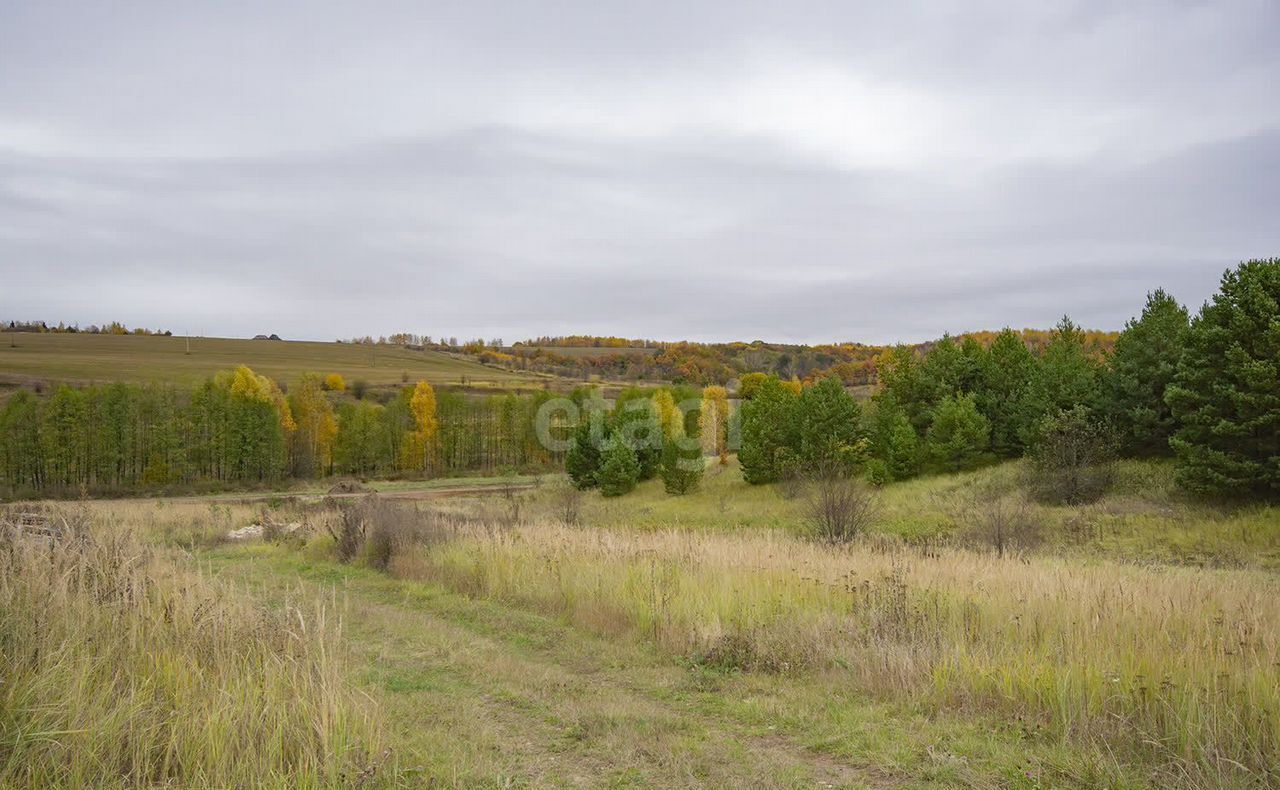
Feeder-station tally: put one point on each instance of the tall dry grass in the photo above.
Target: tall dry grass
(1175, 668)
(122, 666)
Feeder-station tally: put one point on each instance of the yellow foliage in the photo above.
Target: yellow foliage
(417, 445)
(244, 383)
(669, 417)
(714, 422)
(335, 383)
(423, 405)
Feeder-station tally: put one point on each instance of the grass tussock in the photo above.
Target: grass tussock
(123, 667)
(1175, 668)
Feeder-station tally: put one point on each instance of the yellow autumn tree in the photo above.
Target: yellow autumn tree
(317, 427)
(248, 385)
(416, 450)
(334, 382)
(713, 419)
(664, 408)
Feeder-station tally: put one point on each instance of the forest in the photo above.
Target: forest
(1203, 389)
(1206, 390)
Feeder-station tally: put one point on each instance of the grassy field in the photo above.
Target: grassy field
(705, 641)
(80, 357)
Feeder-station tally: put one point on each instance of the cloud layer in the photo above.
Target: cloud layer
(724, 171)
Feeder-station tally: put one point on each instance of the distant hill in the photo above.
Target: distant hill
(30, 357)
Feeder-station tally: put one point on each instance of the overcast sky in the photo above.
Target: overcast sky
(705, 170)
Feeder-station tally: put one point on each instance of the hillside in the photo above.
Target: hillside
(52, 357)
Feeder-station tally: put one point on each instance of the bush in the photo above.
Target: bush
(619, 468)
(998, 520)
(839, 508)
(566, 500)
(878, 473)
(1073, 458)
(384, 529)
(349, 533)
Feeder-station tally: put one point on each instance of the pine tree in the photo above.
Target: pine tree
(583, 459)
(769, 431)
(635, 418)
(959, 437)
(901, 379)
(1226, 392)
(1140, 370)
(619, 468)
(682, 464)
(902, 449)
(829, 427)
(1002, 396)
(1069, 373)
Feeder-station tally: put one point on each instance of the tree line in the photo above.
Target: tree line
(240, 428)
(1205, 390)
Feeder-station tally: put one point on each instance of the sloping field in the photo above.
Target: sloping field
(78, 357)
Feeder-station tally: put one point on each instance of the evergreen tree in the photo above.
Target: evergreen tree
(619, 468)
(1140, 370)
(635, 418)
(583, 459)
(830, 426)
(959, 437)
(769, 431)
(902, 449)
(1226, 392)
(902, 379)
(682, 464)
(1069, 373)
(1006, 386)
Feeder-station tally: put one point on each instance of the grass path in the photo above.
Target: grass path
(480, 695)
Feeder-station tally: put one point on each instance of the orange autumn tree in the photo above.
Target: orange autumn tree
(415, 452)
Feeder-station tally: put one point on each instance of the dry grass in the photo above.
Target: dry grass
(1175, 668)
(121, 666)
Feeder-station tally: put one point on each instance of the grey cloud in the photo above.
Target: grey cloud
(712, 171)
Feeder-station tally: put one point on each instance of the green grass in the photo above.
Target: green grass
(137, 358)
(1143, 518)
(482, 693)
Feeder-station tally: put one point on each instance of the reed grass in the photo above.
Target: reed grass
(121, 665)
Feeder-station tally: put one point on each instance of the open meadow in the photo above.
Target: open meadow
(78, 357)
(534, 637)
